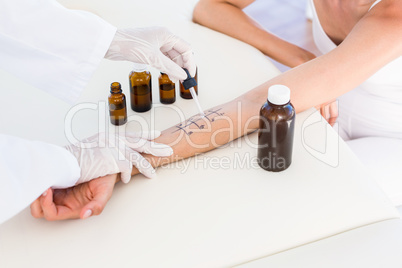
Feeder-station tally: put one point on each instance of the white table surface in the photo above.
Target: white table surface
(372, 246)
(197, 217)
(202, 216)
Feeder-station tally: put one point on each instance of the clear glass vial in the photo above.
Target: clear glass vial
(140, 88)
(117, 105)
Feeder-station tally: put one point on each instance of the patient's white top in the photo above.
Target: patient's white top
(375, 107)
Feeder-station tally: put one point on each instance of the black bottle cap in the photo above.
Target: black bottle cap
(190, 81)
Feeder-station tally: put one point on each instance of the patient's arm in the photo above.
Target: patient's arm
(226, 16)
(313, 83)
(198, 134)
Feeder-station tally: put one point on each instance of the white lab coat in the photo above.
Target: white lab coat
(56, 50)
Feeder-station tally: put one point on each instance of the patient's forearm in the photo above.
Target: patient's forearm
(227, 17)
(197, 134)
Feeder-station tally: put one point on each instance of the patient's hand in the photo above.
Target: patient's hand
(80, 201)
(329, 111)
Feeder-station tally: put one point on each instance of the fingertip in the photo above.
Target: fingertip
(49, 208)
(125, 177)
(145, 134)
(176, 73)
(150, 135)
(190, 64)
(36, 210)
(45, 193)
(172, 69)
(152, 175)
(165, 152)
(177, 78)
(86, 213)
(46, 197)
(159, 149)
(147, 170)
(182, 76)
(192, 70)
(171, 151)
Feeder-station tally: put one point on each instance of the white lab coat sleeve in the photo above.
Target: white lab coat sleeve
(51, 47)
(28, 168)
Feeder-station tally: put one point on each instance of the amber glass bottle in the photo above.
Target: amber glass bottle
(167, 89)
(185, 93)
(275, 136)
(117, 105)
(140, 88)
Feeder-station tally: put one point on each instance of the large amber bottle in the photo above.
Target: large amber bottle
(167, 89)
(185, 93)
(117, 105)
(140, 88)
(275, 136)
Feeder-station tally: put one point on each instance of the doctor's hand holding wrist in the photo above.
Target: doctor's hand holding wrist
(154, 46)
(100, 158)
(102, 155)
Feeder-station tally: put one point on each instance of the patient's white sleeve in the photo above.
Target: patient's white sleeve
(28, 168)
(50, 47)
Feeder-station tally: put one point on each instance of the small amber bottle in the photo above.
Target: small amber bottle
(167, 89)
(275, 136)
(140, 88)
(117, 105)
(185, 93)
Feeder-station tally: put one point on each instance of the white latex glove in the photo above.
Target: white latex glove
(99, 155)
(155, 46)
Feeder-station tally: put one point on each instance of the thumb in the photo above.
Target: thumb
(173, 70)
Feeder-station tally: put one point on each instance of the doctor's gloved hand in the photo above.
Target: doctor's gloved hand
(102, 154)
(155, 46)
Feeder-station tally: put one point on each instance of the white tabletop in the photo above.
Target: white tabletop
(201, 215)
(372, 246)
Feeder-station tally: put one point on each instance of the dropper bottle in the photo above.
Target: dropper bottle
(185, 93)
(140, 88)
(189, 83)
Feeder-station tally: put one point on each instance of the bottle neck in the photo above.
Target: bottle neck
(116, 91)
(115, 88)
